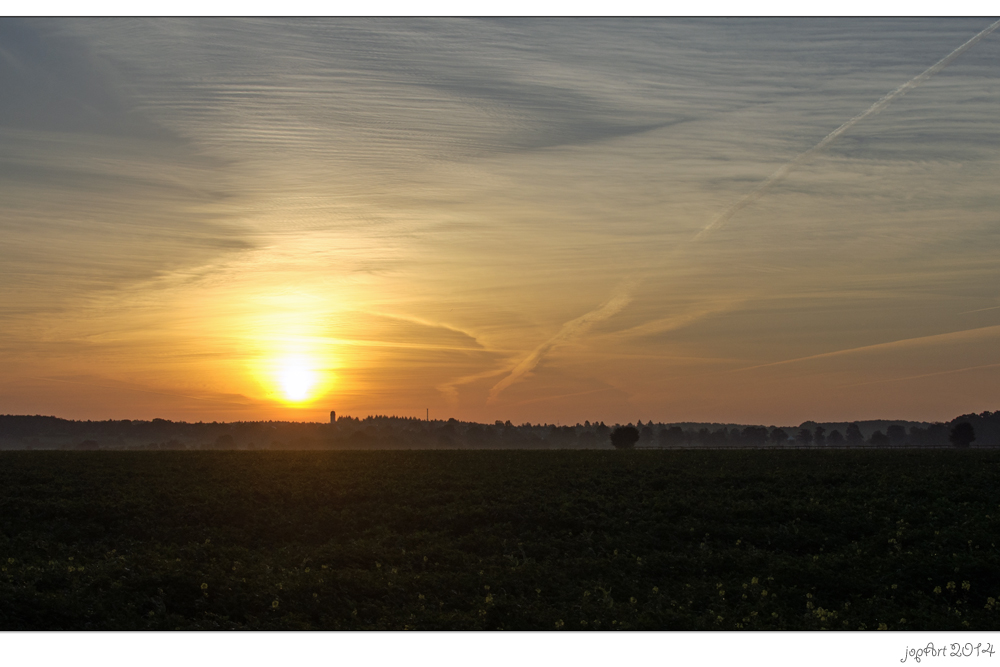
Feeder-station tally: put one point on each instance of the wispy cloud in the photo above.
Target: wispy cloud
(183, 197)
(558, 397)
(580, 325)
(978, 310)
(104, 383)
(919, 341)
(921, 376)
(675, 322)
(449, 389)
(568, 332)
(786, 168)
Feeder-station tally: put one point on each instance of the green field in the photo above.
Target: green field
(569, 540)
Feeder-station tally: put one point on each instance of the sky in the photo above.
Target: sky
(542, 220)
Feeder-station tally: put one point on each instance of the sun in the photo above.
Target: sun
(297, 378)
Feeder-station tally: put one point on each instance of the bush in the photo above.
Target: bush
(625, 437)
(962, 435)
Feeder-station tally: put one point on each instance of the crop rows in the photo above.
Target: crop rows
(550, 540)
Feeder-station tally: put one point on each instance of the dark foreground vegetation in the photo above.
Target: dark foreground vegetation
(582, 540)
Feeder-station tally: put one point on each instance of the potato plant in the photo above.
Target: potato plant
(484, 540)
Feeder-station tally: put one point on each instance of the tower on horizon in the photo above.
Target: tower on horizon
(333, 416)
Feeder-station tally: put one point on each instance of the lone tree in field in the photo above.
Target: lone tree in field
(962, 435)
(879, 439)
(625, 437)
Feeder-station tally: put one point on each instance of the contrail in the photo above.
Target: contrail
(917, 377)
(783, 171)
(568, 331)
(624, 294)
(450, 391)
(964, 334)
(979, 310)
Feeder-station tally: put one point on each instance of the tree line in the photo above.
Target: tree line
(959, 434)
(392, 432)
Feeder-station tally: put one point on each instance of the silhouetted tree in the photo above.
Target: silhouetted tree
(720, 437)
(804, 436)
(779, 436)
(646, 434)
(835, 438)
(755, 435)
(962, 434)
(475, 434)
(853, 435)
(819, 436)
(896, 434)
(625, 437)
(671, 437)
(879, 439)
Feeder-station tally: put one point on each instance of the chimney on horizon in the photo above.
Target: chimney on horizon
(333, 416)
